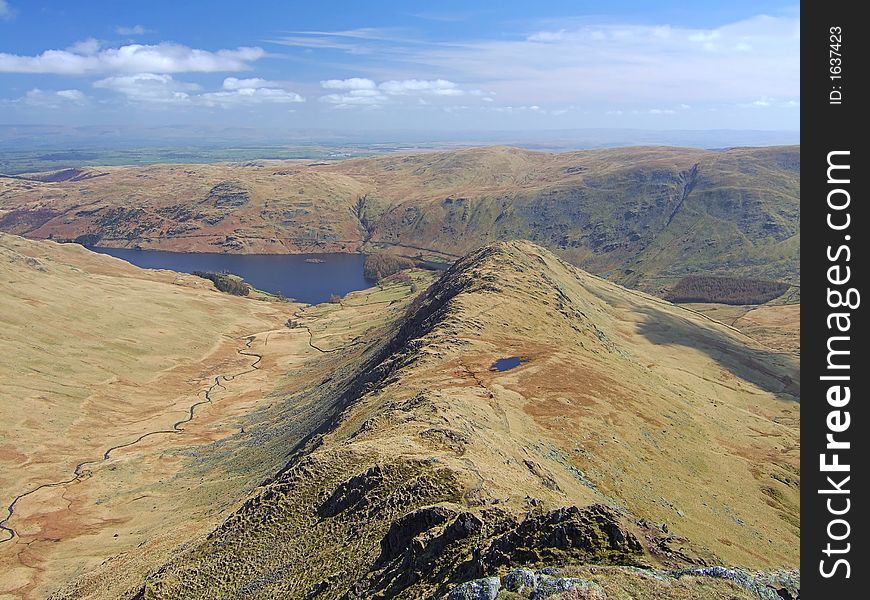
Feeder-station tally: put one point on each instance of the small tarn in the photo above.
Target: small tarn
(506, 364)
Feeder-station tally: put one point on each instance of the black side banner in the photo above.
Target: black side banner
(834, 418)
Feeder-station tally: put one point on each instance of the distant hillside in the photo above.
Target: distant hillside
(643, 216)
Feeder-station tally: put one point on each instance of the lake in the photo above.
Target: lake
(288, 274)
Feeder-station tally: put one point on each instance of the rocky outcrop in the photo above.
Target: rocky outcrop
(549, 585)
(548, 582)
(590, 535)
(409, 526)
(432, 545)
(353, 491)
(228, 194)
(521, 581)
(442, 546)
(781, 585)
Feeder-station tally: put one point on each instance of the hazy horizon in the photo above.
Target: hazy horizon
(36, 136)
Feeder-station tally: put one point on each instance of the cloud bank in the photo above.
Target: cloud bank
(160, 90)
(89, 58)
(363, 92)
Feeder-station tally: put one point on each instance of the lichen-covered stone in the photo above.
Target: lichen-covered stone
(550, 586)
(521, 581)
(768, 586)
(477, 589)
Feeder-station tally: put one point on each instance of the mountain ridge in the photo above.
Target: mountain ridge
(643, 216)
(429, 453)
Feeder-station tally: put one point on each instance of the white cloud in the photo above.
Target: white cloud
(53, 99)
(232, 83)
(625, 63)
(768, 102)
(704, 37)
(623, 69)
(247, 96)
(360, 91)
(76, 96)
(149, 88)
(161, 90)
(547, 36)
(134, 30)
(249, 91)
(87, 57)
(354, 83)
(6, 11)
(438, 87)
(534, 109)
(356, 99)
(87, 47)
(352, 41)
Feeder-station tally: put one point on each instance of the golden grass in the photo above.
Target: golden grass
(96, 354)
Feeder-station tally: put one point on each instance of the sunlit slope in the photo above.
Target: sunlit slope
(110, 375)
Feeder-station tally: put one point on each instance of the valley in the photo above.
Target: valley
(430, 453)
(117, 382)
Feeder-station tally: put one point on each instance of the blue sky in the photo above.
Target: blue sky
(402, 65)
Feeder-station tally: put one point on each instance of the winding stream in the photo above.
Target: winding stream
(80, 472)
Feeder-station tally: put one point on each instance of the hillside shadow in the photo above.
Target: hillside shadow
(774, 372)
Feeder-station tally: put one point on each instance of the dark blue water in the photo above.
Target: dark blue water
(506, 364)
(287, 274)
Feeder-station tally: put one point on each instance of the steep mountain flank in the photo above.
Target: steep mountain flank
(109, 374)
(629, 432)
(644, 217)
